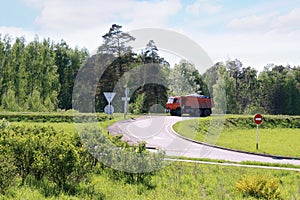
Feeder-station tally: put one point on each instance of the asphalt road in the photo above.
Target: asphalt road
(157, 132)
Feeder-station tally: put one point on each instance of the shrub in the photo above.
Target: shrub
(43, 152)
(4, 124)
(7, 170)
(52, 117)
(131, 164)
(259, 187)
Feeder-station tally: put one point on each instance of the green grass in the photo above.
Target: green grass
(70, 127)
(276, 141)
(176, 181)
(194, 181)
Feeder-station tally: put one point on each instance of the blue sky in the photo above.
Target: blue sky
(258, 32)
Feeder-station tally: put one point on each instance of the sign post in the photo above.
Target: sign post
(109, 109)
(258, 119)
(126, 99)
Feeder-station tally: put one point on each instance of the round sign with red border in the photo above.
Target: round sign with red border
(258, 119)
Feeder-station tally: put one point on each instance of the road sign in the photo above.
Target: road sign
(109, 96)
(258, 119)
(109, 109)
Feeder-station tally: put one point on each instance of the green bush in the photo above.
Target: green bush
(52, 117)
(44, 152)
(7, 170)
(4, 124)
(259, 187)
(130, 164)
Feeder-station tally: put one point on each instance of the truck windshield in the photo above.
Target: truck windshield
(170, 100)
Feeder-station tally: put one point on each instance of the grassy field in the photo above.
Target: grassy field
(176, 181)
(272, 140)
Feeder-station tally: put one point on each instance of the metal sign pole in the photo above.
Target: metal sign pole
(258, 119)
(108, 117)
(126, 99)
(256, 136)
(109, 109)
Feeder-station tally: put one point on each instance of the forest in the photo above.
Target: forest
(39, 76)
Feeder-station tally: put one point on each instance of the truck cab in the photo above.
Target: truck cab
(173, 106)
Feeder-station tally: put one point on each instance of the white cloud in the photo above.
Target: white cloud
(203, 7)
(288, 22)
(151, 14)
(17, 32)
(70, 15)
(253, 49)
(273, 22)
(85, 21)
(252, 22)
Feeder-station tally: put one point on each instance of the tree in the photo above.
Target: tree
(234, 71)
(150, 76)
(41, 72)
(49, 85)
(248, 88)
(117, 50)
(115, 42)
(68, 62)
(18, 65)
(9, 101)
(185, 79)
(219, 91)
(6, 69)
(211, 76)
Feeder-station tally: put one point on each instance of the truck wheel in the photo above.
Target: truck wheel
(207, 112)
(178, 112)
(200, 113)
(172, 113)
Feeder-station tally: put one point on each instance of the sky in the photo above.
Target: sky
(257, 32)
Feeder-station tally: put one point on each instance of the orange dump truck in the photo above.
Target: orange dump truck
(195, 105)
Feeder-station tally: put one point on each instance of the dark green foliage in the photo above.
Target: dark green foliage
(43, 152)
(37, 76)
(149, 80)
(275, 90)
(8, 170)
(68, 62)
(52, 117)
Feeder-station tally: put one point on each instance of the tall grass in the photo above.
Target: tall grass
(176, 181)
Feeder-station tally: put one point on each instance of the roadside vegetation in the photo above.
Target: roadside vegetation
(278, 135)
(47, 161)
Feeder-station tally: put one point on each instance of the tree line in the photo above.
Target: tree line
(275, 90)
(39, 76)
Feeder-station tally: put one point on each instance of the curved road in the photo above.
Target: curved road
(158, 132)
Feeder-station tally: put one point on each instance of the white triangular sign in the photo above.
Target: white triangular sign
(109, 96)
